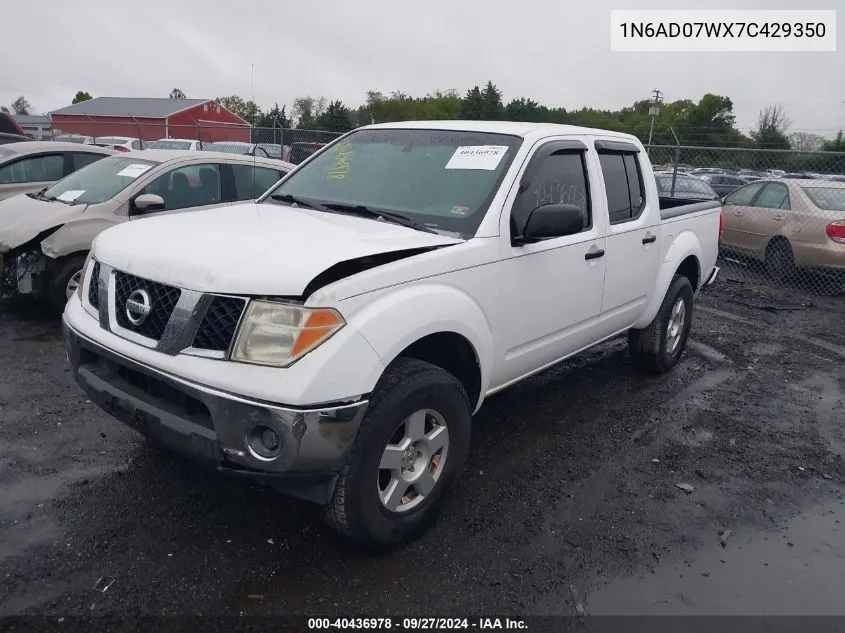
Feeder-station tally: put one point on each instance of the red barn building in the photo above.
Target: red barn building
(151, 119)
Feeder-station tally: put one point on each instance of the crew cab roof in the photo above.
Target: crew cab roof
(516, 128)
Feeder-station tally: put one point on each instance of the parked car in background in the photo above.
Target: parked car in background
(788, 224)
(120, 143)
(45, 237)
(298, 152)
(10, 131)
(799, 176)
(723, 184)
(73, 138)
(234, 147)
(5, 139)
(275, 150)
(686, 187)
(335, 338)
(28, 166)
(176, 143)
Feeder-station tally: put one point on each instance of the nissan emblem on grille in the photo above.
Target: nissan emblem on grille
(138, 306)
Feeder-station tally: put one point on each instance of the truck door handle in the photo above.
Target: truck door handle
(649, 239)
(594, 254)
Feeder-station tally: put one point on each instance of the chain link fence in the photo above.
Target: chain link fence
(783, 211)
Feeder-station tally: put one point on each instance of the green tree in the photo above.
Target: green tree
(247, 110)
(21, 106)
(836, 145)
(523, 109)
(274, 117)
(81, 96)
(472, 106)
(772, 126)
(491, 103)
(177, 94)
(307, 110)
(336, 118)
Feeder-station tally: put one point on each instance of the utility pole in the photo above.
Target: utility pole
(654, 111)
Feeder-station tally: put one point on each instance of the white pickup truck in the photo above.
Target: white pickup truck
(335, 337)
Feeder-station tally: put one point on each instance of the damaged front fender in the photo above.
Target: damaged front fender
(74, 237)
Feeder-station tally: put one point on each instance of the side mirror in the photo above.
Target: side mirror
(552, 220)
(148, 202)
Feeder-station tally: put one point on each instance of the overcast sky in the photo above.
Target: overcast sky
(555, 51)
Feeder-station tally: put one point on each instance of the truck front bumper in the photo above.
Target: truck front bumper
(220, 429)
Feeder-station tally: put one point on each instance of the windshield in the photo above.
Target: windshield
(444, 179)
(99, 181)
(171, 145)
(229, 148)
(111, 140)
(827, 198)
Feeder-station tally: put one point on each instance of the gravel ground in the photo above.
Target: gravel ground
(571, 487)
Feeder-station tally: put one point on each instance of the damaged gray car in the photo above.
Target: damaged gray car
(45, 236)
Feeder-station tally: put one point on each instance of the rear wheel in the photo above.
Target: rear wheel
(411, 447)
(780, 263)
(658, 346)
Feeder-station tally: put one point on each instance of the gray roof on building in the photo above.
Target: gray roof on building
(141, 107)
(31, 119)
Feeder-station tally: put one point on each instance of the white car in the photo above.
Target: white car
(45, 237)
(335, 337)
(28, 166)
(176, 143)
(120, 143)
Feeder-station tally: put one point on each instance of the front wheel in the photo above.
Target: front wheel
(412, 445)
(66, 281)
(658, 346)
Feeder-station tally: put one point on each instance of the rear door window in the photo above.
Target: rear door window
(623, 184)
(252, 181)
(774, 196)
(45, 168)
(80, 159)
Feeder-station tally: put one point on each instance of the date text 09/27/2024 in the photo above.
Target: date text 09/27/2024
(416, 624)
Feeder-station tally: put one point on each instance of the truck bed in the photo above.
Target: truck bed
(674, 207)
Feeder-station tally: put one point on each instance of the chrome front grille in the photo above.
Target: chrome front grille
(162, 299)
(218, 328)
(94, 286)
(175, 320)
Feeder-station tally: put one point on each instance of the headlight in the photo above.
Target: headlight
(83, 275)
(278, 334)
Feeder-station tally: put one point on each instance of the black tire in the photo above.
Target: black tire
(66, 268)
(780, 263)
(356, 510)
(648, 346)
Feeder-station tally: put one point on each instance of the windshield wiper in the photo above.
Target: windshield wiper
(397, 218)
(302, 202)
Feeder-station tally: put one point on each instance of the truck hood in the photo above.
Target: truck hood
(23, 218)
(251, 249)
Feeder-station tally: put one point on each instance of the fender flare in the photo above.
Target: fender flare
(684, 245)
(74, 237)
(403, 316)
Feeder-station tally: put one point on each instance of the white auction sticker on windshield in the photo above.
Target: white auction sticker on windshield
(477, 157)
(134, 170)
(70, 196)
